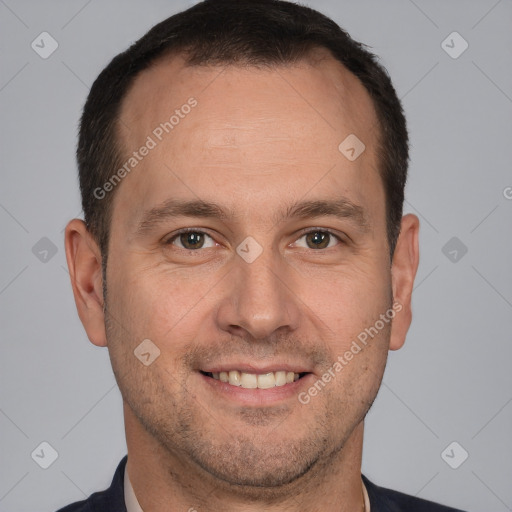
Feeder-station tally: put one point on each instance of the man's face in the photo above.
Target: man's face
(257, 144)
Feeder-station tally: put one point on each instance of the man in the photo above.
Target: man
(244, 258)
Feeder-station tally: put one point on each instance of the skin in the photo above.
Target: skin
(258, 141)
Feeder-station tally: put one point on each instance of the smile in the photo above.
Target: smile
(255, 380)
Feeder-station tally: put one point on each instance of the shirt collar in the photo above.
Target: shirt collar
(366, 499)
(132, 505)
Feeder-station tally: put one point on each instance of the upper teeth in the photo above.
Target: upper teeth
(253, 380)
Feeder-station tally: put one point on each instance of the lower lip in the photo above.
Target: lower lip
(257, 397)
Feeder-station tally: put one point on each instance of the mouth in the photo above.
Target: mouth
(245, 380)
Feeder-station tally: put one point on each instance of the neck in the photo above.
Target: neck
(164, 480)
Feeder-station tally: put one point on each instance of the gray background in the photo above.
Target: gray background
(450, 382)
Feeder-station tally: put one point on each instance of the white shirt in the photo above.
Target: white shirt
(366, 499)
(132, 505)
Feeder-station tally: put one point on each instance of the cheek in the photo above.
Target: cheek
(346, 300)
(359, 361)
(163, 306)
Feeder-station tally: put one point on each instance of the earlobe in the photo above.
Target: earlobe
(403, 271)
(84, 263)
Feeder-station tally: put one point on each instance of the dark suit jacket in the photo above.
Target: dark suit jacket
(381, 500)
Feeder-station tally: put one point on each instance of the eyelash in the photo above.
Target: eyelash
(196, 230)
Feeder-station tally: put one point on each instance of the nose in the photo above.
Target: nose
(259, 300)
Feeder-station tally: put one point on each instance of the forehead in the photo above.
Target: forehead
(318, 86)
(251, 129)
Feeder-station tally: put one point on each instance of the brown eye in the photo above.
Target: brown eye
(191, 240)
(319, 239)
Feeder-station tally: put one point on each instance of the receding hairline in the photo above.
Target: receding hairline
(315, 56)
(183, 58)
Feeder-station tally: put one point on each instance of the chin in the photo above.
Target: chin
(250, 464)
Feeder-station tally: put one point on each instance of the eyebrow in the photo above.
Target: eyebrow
(341, 208)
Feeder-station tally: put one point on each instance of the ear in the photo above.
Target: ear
(403, 270)
(84, 264)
